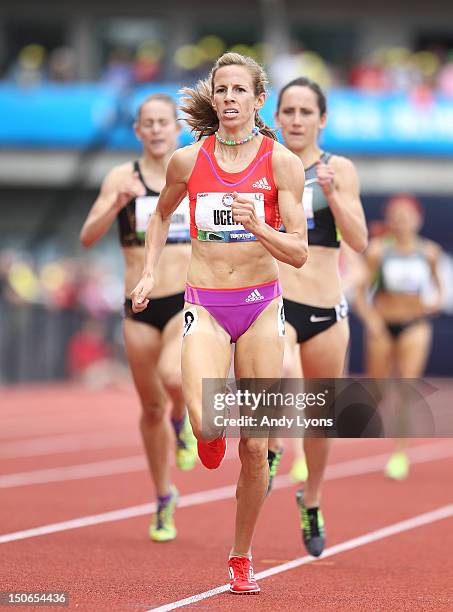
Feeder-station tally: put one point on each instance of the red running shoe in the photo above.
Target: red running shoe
(212, 453)
(242, 580)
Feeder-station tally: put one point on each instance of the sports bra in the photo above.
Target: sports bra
(210, 194)
(403, 272)
(322, 230)
(133, 218)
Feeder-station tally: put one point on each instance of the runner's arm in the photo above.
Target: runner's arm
(170, 197)
(290, 247)
(119, 187)
(345, 204)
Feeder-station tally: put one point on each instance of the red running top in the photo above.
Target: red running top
(209, 188)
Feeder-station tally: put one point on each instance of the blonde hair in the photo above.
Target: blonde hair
(197, 105)
(159, 97)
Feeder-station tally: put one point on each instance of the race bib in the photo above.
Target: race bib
(405, 276)
(214, 217)
(342, 309)
(281, 319)
(180, 221)
(307, 201)
(190, 321)
(144, 208)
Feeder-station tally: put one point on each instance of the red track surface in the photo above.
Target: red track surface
(113, 566)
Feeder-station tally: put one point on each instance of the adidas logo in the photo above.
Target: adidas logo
(262, 184)
(255, 296)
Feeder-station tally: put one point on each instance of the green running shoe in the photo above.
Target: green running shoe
(186, 447)
(299, 470)
(162, 528)
(397, 467)
(273, 458)
(312, 526)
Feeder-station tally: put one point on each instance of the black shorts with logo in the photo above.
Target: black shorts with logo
(159, 310)
(309, 321)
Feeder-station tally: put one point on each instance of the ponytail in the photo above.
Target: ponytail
(196, 104)
(263, 128)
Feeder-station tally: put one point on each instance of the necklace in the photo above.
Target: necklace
(255, 132)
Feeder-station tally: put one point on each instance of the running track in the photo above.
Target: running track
(75, 503)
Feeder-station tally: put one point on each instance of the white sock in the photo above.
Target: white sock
(248, 556)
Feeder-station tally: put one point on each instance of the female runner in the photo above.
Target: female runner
(315, 309)
(403, 270)
(129, 193)
(241, 185)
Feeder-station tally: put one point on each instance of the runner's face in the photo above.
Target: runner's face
(234, 98)
(299, 118)
(157, 128)
(402, 218)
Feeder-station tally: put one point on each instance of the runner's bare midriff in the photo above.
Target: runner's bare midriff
(317, 283)
(171, 271)
(400, 307)
(230, 265)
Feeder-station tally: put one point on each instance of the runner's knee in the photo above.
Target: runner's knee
(253, 452)
(152, 413)
(171, 379)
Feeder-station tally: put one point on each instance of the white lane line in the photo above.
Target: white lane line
(66, 443)
(137, 463)
(373, 536)
(343, 469)
(69, 443)
(193, 499)
(418, 454)
(109, 467)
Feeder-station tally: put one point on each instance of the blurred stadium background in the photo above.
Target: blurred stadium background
(71, 79)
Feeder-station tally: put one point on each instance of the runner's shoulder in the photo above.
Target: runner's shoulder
(376, 247)
(183, 160)
(117, 175)
(431, 249)
(285, 163)
(342, 164)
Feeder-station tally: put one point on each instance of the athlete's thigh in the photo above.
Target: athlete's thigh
(379, 355)
(143, 345)
(206, 353)
(291, 358)
(412, 349)
(323, 356)
(170, 355)
(259, 351)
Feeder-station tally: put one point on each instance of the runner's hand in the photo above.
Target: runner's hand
(131, 188)
(142, 292)
(244, 212)
(326, 178)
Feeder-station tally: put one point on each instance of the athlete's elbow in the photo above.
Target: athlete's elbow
(300, 256)
(301, 260)
(360, 244)
(357, 241)
(85, 239)
(363, 245)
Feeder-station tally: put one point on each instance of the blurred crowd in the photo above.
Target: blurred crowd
(400, 70)
(74, 303)
(60, 284)
(389, 69)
